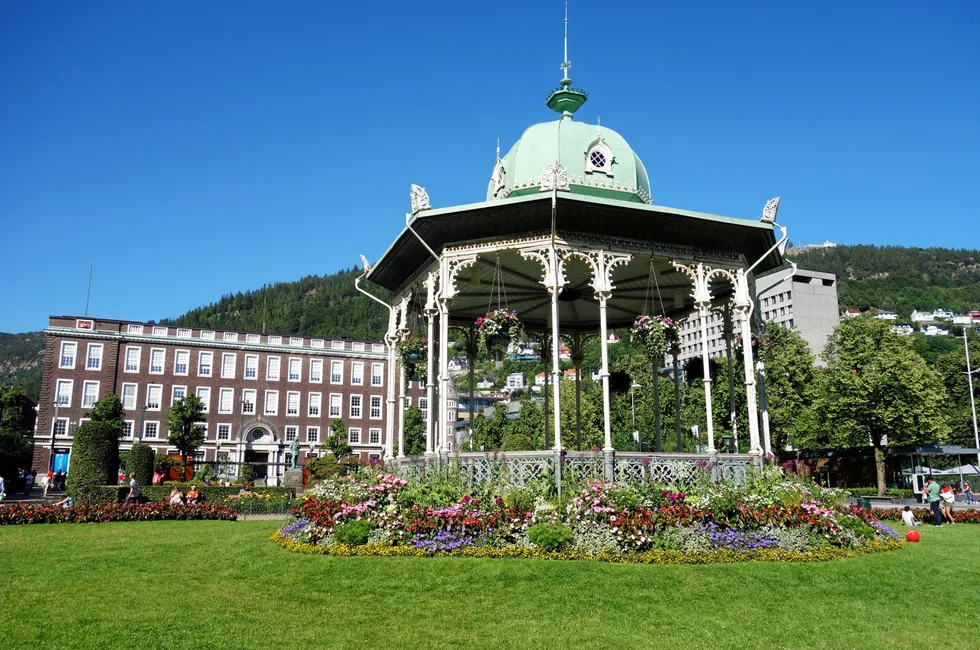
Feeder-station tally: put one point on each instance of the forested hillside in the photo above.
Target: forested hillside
(326, 306)
(20, 361)
(899, 279)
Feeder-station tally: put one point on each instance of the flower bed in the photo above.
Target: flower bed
(925, 515)
(771, 520)
(106, 512)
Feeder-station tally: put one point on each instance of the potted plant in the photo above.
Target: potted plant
(656, 333)
(413, 352)
(499, 323)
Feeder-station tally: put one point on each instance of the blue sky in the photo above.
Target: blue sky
(193, 149)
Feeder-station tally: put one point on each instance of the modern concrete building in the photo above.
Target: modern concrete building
(793, 297)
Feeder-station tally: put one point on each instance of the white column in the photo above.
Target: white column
(706, 365)
(401, 409)
(444, 423)
(391, 339)
(604, 372)
(430, 383)
(743, 304)
(556, 354)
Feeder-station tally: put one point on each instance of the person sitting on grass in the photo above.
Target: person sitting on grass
(908, 518)
(193, 495)
(176, 497)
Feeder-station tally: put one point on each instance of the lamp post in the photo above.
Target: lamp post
(54, 428)
(139, 435)
(973, 405)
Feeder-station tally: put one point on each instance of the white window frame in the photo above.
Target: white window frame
(316, 343)
(210, 364)
(290, 395)
(231, 337)
(357, 373)
(351, 434)
(187, 366)
(371, 407)
(355, 412)
(173, 391)
(134, 329)
(337, 345)
(149, 389)
(94, 347)
(378, 347)
(74, 355)
(163, 362)
(135, 396)
(231, 408)
(314, 400)
(255, 370)
(310, 430)
(339, 413)
(85, 385)
(275, 340)
(357, 346)
(377, 373)
(205, 401)
(156, 432)
(207, 335)
(340, 376)
(316, 378)
(230, 374)
(289, 369)
(374, 436)
(160, 330)
(57, 392)
(184, 333)
(269, 363)
(139, 358)
(296, 341)
(131, 425)
(245, 401)
(253, 338)
(291, 433)
(271, 398)
(227, 428)
(54, 426)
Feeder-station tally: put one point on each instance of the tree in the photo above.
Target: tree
(94, 459)
(186, 431)
(16, 427)
(109, 410)
(337, 440)
(139, 461)
(877, 390)
(414, 431)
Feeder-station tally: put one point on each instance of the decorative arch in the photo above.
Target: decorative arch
(599, 158)
(257, 423)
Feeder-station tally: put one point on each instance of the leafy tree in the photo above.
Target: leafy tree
(109, 410)
(488, 434)
(16, 433)
(139, 461)
(528, 425)
(186, 431)
(951, 367)
(414, 431)
(877, 390)
(337, 440)
(517, 442)
(94, 459)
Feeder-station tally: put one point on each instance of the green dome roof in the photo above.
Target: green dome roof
(599, 162)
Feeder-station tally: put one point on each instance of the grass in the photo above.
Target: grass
(209, 584)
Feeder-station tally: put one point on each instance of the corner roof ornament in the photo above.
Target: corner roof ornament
(420, 199)
(769, 212)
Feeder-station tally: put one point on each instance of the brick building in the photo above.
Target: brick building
(261, 391)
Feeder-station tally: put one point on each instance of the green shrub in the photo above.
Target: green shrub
(246, 475)
(550, 537)
(895, 493)
(857, 526)
(139, 461)
(323, 468)
(94, 459)
(516, 442)
(354, 533)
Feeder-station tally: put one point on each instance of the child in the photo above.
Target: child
(908, 518)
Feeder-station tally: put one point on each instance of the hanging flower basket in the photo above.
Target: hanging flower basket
(413, 350)
(499, 323)
(656, 333)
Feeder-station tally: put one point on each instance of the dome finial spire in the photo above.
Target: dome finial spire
(566, 100)
(566, 65)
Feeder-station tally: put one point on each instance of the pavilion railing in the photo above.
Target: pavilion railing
(524, 467)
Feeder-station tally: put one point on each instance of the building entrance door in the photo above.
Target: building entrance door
(259, 462)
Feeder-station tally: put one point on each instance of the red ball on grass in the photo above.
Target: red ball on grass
(912, 535)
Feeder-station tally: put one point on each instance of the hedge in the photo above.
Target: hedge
(106, 512)
(139, 461)
(94, 459)
(213, 493)
(894, 493)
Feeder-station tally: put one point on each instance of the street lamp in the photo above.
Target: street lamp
(54, 428)
(973, 406)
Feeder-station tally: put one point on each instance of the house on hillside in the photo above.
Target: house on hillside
(962, 319)
(515, 381)
(945, 314)
(935, 330)
(904, 329)
(886, 315)
(974, 315)
(922, 316)
(852, 313)
(570, 374)
(486, 383)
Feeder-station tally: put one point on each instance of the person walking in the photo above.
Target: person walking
(968, 493)
(28, 484)
(134, 490)
(948, 496)
(932, 492)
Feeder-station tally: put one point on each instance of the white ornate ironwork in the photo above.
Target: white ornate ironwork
(499, 175)
(769, 212)
(453, 266)
(599, 157)
(420, 198)
(554, 177)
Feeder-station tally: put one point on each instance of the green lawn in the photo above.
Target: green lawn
(223, 585)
